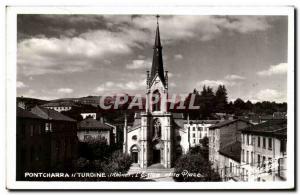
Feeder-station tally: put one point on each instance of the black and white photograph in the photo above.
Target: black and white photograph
(188, 100)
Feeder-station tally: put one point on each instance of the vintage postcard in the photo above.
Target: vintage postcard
(150, 98)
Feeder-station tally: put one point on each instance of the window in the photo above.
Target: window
(200, 135)
(189, 128)
(252, 158)
(247, 157)
(194, 141)
(242, 139)
(48, 127)
(264, 142)
(199, 128)
(194, 135)
(258, 141)
(134, 137)
(247, 139)
(230, 168)
(156, 101)
(194, 128)
(31, 130)
(258, 160)
(270, 143)
(243, 155)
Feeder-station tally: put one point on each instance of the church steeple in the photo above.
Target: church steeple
(157, 62)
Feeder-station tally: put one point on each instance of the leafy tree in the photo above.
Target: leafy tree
(117, 163)
(197, 167)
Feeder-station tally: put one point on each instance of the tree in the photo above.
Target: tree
(206, 106)
(117, 163)
(221, 99)
(197, 167)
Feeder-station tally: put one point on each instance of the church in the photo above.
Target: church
(157, 136)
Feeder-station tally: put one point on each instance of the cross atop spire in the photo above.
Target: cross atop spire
(157, 17)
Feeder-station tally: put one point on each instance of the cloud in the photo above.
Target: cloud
(278, 69)
(178, 57)
(76, 50)
(38, 56)
(270, 95)
(211, 83)
(139, 64)
(234, 77)
(117, 87)
(65, 90)
(20, 84)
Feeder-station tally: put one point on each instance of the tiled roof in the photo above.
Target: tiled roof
(277, 128)
(232, 151)
(202, 121)
(177, 116)
(50, 114)
(58, 104)
(93, 124)
(21, 113)
(227, 122)
(179, 122)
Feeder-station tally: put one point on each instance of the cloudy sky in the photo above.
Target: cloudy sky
(79, 55)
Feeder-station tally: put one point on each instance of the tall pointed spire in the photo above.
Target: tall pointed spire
(157, 63)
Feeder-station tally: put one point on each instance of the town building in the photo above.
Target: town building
(33, 143)
(60, 106)
(223, 137)
(197, 130)
(89, 115)
(63, 136)
(91, 129)
(263, 151)
(230, 159)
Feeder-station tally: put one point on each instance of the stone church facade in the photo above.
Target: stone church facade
(157, 136)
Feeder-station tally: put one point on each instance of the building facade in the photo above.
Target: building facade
(63, 136)
(223, 135)
(263, 151)
(197, 130)
(91, 129)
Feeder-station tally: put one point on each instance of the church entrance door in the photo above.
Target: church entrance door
(134, 157)
(156, 156)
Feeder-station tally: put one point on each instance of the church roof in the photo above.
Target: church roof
(157, 62)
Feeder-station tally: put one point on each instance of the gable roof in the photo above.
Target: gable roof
(21, 113)
(93, 124)
(232, 151)
(227, 122)
(273, 128)
(50, 114)
(58, 104)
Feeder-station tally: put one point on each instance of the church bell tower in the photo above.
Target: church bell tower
(156, 134)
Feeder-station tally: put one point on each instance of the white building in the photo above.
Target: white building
(197, 130)
(263, 152)
(59, 106)
(89, 115)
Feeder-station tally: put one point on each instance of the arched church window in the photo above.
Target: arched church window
(156, 101)
(156, 129)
